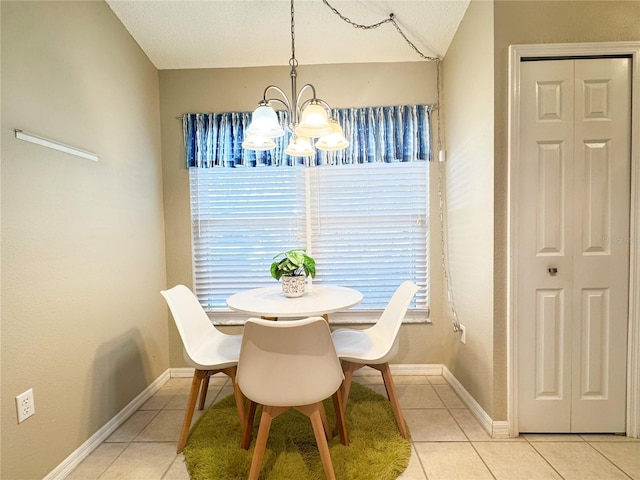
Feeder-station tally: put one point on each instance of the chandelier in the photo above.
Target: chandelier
(308, 120)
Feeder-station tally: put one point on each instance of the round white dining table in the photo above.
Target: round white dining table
(318, 299)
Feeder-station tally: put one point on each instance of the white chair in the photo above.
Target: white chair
(290, 364)
(206, 349)
(375, 346)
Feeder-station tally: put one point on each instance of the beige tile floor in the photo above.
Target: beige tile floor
(448, 443)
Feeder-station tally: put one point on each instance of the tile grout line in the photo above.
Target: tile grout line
(164, 407)
(584, 440)
(133, 440)
(175, 458)
(469, 441)
(179, 455)
(112, 462)
(413, 443)
(531, 442)
(543, 457)
(127, 443)
(607, 459)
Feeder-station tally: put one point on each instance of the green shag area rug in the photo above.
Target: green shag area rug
(377, 451)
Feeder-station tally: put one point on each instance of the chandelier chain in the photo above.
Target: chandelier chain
(390, 20)
(293, 63)
(444, 258)
(442, 215)
(438, 103)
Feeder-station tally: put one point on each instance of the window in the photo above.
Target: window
(366, 225)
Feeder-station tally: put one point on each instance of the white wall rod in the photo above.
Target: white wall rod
(45, 142)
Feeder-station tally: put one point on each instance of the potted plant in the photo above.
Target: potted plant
(293, 267)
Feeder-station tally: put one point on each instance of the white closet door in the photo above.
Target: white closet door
(573, 245)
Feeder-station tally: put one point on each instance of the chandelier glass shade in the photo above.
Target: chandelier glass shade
(334, 140)
(308, 120)
(314, 122)
(300, 147)
(264, 123)
(258, 143)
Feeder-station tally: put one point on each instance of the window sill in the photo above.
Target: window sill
(355, 317)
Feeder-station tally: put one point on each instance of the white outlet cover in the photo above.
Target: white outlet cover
(25, 405)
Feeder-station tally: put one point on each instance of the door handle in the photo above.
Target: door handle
(553, 271)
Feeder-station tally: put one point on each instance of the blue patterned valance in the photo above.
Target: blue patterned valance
(375, 134)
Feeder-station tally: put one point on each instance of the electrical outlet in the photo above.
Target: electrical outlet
(463, 334)
(25, 405)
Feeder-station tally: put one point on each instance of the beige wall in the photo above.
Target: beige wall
(530, 22)
(83, 246)
(210, 90)
(477, 148)
(83, 256)
(469, 193)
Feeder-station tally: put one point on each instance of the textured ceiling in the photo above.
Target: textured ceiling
(179, 34)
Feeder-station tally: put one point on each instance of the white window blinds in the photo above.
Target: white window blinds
(241, 218)
(369, 228)
(366, 226)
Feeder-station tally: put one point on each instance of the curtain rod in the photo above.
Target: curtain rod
(434, 106)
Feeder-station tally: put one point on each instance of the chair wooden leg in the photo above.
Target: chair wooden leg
(247, 427)
(198, 376)
(348, 368)
(341, 423)
(268, 414)
(325, 423)
(261, 444)
(237, 393)
(203, 390)
(393, 397)
(313, 412)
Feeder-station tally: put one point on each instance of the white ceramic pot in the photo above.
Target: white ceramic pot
(293, 286)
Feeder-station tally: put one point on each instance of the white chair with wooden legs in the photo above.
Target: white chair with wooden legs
(206, 349)
(290, 364)
(375, 346)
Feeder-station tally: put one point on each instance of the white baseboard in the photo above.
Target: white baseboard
(181, 372)
(397, 369)
(500, 429)
(497, 429)
(432, 370)
(494, 429)
(404, 369)
(83, 451)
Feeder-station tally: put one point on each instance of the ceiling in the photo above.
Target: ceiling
(184, 34)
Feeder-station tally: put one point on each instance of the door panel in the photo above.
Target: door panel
(574, 191)
(550, 195)
(597, 201)
(544, 375)
(595, 323)
(601, 262)
(550, 327)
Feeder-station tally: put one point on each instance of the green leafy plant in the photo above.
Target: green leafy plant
(293, 262)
